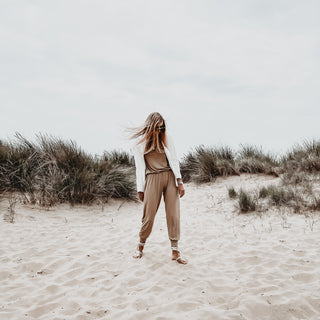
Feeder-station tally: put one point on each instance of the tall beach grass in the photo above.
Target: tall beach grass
(204, 164)
(51, 171)
(299, 184)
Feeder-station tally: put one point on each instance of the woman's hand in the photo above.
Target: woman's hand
(141, 196)
(181, 190)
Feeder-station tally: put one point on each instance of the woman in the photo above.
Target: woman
(157, 173)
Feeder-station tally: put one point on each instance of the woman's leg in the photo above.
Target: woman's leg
(152, 197)
(172, 206)
(174, 243)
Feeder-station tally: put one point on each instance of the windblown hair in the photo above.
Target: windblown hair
(153, 139)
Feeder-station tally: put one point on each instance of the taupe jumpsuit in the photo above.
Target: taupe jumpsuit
(160, 180)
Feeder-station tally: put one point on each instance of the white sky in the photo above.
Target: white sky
(220, 72)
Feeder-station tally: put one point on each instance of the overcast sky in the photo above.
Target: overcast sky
(220, 72)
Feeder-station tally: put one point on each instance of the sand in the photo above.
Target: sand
(76, 263)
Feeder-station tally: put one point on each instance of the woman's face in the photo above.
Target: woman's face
(160, 127)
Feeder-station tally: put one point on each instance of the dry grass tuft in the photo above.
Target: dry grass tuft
(232, 193)
(247, 202)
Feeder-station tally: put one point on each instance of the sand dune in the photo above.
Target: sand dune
(76, 263)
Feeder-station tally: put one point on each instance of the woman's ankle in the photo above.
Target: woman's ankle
(174, 243)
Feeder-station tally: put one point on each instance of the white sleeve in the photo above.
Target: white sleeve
(174, 159)
(140, 168)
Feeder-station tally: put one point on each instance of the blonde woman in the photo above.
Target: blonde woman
(157, 173)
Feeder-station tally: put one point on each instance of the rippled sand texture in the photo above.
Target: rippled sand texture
(76, 263)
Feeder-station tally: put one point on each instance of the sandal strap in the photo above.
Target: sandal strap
(139, 253)
(180, 257)
(175, 249)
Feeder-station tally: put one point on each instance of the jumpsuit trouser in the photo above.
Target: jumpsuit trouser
(157, 184)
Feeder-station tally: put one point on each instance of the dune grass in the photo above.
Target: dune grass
(283, 196)
(271, 196)
(299, 185)
(301, 198)
(204, 164)
(53, 171)
(304, 157)
(232, 193)
(251, 159)
(293, 197)
(247, 202)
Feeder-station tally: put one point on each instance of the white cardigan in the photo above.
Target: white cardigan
(138, 152)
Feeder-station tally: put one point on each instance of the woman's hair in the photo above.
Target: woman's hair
(150, 135)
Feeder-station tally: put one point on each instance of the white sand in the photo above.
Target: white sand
(76, 263)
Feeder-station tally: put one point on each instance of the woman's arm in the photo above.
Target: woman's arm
(181, 190)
